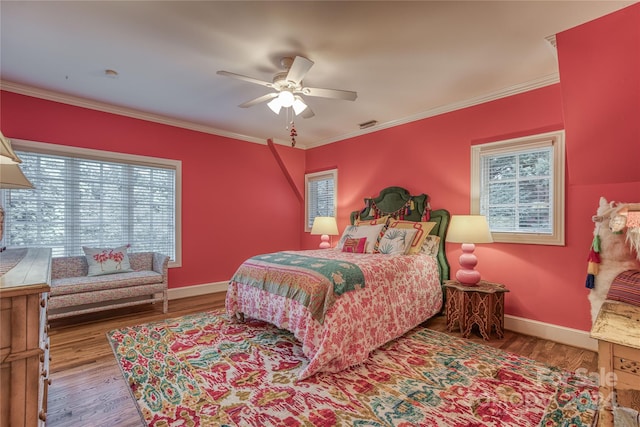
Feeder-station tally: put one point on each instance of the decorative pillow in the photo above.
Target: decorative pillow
(372, 232)
(355, 245)
(626, 287)
(107, 261)
(381, 220)
(431, 245)
(423, 230)
(396, 241)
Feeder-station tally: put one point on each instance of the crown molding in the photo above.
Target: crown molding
(503, 93)
(108, 108)
(127, 112)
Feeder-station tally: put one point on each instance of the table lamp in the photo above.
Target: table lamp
(11, 177)
(468, 230)
(325, 226)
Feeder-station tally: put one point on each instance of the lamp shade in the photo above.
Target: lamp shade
(299, 106)
(469, 229)
(325, 225)
(275, 104)
(7, 155)
(11, 177)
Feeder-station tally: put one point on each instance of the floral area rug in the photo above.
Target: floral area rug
(205, 370)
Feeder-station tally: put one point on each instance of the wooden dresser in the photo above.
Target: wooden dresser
(24, 342)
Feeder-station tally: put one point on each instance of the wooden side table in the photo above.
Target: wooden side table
(481, 305)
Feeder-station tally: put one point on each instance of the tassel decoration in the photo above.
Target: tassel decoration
(590, 283)
(593, 265)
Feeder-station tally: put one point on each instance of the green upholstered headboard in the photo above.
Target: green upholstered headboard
(393, 200)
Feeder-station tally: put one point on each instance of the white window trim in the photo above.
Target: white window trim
(554, 139)
(89, 153)
(310, 176)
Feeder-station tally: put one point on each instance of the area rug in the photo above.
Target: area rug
(206, 370)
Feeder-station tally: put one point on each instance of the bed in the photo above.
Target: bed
(342, 305)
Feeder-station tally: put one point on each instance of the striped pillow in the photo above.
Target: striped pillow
(626, 287)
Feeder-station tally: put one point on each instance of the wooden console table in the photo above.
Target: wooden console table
(481, 305)
(24, 342)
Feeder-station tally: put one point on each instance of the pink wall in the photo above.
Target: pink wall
(599, 71)
(228, 186)
(601, 105)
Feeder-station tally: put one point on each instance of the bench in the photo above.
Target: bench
(73, 292)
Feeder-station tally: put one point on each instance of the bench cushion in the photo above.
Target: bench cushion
(76, 285)
(104, 298)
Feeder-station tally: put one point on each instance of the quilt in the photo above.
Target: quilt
(399, 293)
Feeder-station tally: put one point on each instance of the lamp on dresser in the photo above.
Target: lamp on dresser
(325, 226)
(468, 230)
(11, 177)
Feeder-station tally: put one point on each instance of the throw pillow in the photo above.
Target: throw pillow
(396, 241)
(423, 230)
(107, 260)
(626, 287)
(372, 232)
(355, 245)
(381, 220)
(431, 245)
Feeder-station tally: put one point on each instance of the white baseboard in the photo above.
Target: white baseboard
(195, 290)
(561, 334)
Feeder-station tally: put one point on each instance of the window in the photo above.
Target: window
(320, 195)
(518, 184)
(94, 198)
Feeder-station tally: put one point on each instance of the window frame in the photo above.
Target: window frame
(555, 140)
(111, 156)
(318, 176)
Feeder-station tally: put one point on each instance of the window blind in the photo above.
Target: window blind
(517, 190)
(90, 202)
(320, 196)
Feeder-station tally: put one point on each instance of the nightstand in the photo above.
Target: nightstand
(481, 305)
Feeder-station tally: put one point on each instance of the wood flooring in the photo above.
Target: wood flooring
(89, 390)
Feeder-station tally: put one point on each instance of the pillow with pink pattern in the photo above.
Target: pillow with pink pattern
(355, 245)
(107, 260)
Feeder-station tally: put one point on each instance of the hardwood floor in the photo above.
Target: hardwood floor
(89, 390)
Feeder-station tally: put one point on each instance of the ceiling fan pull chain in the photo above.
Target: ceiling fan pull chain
(294, 133)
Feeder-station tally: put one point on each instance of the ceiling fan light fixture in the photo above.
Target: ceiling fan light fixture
(286, 98)
(298, 105)
(275, 104)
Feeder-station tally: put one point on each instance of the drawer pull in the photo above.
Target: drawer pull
(43, 303)
(43, 416)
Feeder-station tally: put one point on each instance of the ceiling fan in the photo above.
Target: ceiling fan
(289, 88)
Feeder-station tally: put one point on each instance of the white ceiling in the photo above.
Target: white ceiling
(406, 60)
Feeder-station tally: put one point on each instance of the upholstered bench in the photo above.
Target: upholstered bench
(74, 292)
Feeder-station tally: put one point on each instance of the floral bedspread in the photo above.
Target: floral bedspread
(401, 292)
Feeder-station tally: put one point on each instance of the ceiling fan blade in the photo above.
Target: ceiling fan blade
(299, 69)
(307, 113)
(245, 78)
(258, 100)
(346, 95)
